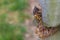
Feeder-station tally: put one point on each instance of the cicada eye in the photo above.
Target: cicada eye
(35, 10)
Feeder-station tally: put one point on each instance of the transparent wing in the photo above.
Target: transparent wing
(35, 22)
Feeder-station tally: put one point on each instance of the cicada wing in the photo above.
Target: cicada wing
(35, 22)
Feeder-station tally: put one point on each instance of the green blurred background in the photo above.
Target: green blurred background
(12, 18)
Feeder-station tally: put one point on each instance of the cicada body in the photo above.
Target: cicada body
(41, 30)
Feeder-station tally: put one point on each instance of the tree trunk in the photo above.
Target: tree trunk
(50, 12)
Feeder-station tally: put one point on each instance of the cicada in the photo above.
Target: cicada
(41, 30)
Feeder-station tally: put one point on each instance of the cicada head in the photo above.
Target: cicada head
(37, 13)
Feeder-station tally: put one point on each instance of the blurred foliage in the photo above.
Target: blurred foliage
(19, 5)
(22, 16)
(13, 5)
(10, 31)
(13, 31)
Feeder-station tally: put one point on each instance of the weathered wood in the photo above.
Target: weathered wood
(50, 12)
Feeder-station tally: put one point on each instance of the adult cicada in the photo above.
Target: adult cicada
(42, 30)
